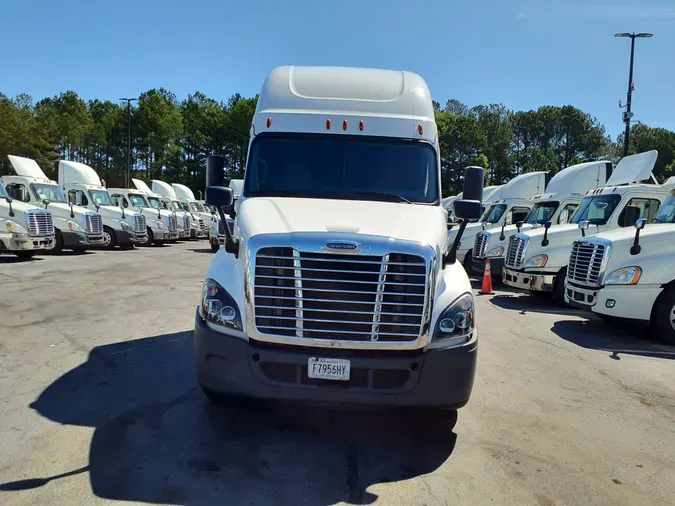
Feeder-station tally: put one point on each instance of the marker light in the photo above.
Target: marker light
(420, 129)
(344, 125)
(328, 124)
(269, 121)
(361, 125)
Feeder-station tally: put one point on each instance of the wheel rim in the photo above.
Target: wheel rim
(672, 317)
(106, 239)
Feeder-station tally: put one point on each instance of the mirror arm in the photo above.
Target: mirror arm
(11, 210)
(451, 257)
(72, 214)
(502, 236)
(231, 246)
(636, 248)
(545, 241)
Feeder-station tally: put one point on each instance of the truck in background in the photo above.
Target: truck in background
(564, 193)
(336, 284)
(508, 204)
(170, 203)
(83, 187)
(25, 230)
(217, 235)
(536, 260)
(158, 227)
(189, 204)
(75, 228)
(629, 273)
(169, 218)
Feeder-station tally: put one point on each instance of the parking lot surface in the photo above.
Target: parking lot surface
(99, 403)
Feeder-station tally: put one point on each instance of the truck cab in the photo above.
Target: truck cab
(507, 205)
(25, 229)
(536, 260)
(336, 284)
(157, 225)
(75, 228)
(564, 193)
(628, 273)
(82, 187)
(154, 200)
(187, 228)
(189, 204)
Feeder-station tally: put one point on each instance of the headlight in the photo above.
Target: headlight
(496, 252)
(624, 276)
(160, 225)
(74, 226)
(536, 261)
(14, 228)
(456, 323)
(219, 307)
(125, 226)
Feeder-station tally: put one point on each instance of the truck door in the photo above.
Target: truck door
(637, 208)
(18, 191)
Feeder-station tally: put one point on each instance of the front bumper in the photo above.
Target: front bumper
(433, 378)
(631, 302)
(126, 237)
(80, 239)
(182, 234)
(197, 233)
(538, 282)
(24, 242)
(496, 266)
(161, 234)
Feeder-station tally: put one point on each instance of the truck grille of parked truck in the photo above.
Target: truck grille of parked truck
(93, 223)
(39, 223)
(586, 267)
(140, 226)
(327, 296)
(516, 251)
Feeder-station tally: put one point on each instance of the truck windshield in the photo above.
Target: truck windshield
(3, 193)
(666, 211)
(155, 202)
(342, 167)
(541, 213)
(597, 210)
(175, 205)
(49, 192)
(495, 213)
(100, 197)
(137, 200)
(196, 207)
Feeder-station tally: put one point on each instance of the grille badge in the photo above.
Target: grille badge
(342, 246)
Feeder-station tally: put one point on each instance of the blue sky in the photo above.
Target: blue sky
(522, 53)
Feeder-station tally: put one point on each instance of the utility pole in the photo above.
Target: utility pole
(627, 115)
(128, 175)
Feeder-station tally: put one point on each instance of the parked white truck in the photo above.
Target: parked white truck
(83, 187)
(75, 228)
(186, 226)
(25, 230)
(629, 273)
(536, 260)
(190, 205)
(158, 227)
(563, 195)
(169, 218)
(508, 204)
(217, 232)
(336, 284)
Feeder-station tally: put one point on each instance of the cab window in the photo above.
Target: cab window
(637, 208)
(566, 213)
(118, 199)
(517, 214)
(18, 192)
(78, 198)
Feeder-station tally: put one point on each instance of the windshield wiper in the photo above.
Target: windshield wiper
(396, 196)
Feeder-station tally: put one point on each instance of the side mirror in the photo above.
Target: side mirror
(72, 214)
(545, 241)
(9, 201)
(222, 197)
(122, 208)
(45, 202)
(519, 225)
(583, 226)
(468, 208)
(639, 225)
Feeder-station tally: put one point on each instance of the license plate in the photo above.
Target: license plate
(328, 368)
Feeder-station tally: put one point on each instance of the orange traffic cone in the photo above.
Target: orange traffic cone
(486, 289)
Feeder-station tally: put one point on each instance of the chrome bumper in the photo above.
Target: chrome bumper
(24, 242)
(584, 298)
(527, 281)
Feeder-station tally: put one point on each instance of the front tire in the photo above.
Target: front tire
(149, 239)
(559, 288)
(25, 253)
(58, 242)
(109, 238)
(664, 316)
(215, 246)
(467, 263)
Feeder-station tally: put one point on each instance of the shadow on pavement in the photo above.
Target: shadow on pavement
(158, 440)
(541, 303)
(203, 250)
(9, 259)
(596, 335)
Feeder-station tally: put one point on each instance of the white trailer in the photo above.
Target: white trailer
(536, 260)
(83, 187)
(25, 230)
(75, 228)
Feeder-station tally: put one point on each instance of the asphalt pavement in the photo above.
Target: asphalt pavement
(99, 404)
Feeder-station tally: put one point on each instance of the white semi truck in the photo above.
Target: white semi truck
(336, 284)
(169, 218)
(75, 228)
(161, 229)
(217, 232)
(25, 230)
(628, 273)
(187, 228)
(189, 204)
(508, 204)
(564, 193)
(83, 187)
(536, 260)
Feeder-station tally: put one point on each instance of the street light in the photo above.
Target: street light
(128, 177)
(627, 113)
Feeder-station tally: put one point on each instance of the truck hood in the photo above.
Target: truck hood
(420, 223)
(560, 233)
(651, 233)
(18, 207)
(115, 213)
(63, 210)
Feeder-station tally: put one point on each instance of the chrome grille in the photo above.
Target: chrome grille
(331, 296)
(586, 263)
(515, 252)
(479, 245)
(173, 223)
(186, 222)
(202, 225)
(93, 223)
(139, 223)
(39, 222)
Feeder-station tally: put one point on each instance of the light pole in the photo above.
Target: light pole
(128, 176)
(627, 113)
